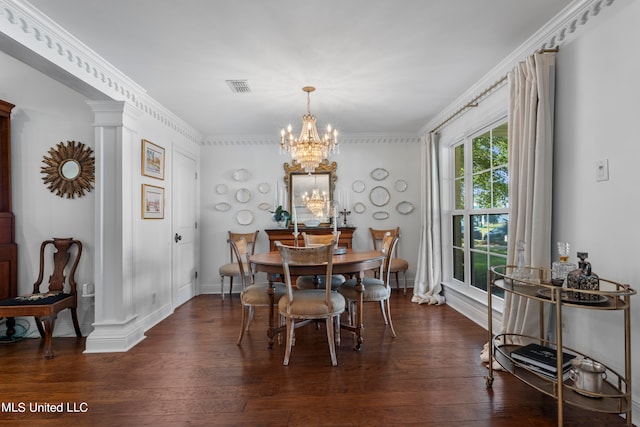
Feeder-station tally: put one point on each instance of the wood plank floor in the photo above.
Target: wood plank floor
(189, 371)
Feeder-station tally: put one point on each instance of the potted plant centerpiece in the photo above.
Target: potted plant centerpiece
(281, 216)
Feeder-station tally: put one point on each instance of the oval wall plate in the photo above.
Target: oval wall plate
(380, 215)
(264, 187)
(243, 195)
(241, 175)
(379, 196)
(400, 185)
(358, 186)
(359, 208)
(405, 207)
(264, 206)
(222, 206)
(244, 217)
(221, 189)
(379, 174)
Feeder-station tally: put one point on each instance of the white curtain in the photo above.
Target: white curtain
(531, 109)
(427, 286)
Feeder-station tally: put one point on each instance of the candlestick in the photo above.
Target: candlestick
(335, 221)
(295, 238)
(295, 222)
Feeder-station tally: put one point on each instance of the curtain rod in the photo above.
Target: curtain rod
(474, 101)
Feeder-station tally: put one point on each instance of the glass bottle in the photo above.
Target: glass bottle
(521, 271)
(582, 278)
(560, 269)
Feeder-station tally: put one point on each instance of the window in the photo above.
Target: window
(480, 216)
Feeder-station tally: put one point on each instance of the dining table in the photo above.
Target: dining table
(350, 263)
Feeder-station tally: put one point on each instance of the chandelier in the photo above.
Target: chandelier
(316, 202)
(309, 150)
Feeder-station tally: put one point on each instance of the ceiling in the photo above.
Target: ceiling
(379, 66)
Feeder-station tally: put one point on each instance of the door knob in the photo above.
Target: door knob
(177, 238)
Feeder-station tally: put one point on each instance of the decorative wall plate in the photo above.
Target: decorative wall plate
(379, 174)
(264, 206)
(405, 207)
(264, 187)
(243, 195)
(359, 207)
(358, 186)
(223, 206)
(241, 175)
(379, 196)
(380, 215)
(221, 189)
(400, 185)
(244, 217)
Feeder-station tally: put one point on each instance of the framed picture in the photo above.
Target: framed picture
(152, 202)
(152, 160)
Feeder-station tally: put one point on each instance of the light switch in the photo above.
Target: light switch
(602, 170)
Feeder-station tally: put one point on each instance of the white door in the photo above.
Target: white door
(184, 228)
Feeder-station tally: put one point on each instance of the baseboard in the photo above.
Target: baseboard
(115, 336)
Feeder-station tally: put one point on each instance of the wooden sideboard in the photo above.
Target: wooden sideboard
(285, 235)
(8, 247)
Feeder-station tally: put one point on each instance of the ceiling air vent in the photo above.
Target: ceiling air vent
(239, 86)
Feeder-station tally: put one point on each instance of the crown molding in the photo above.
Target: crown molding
(32, 37)
(558, 31)
(244, 140)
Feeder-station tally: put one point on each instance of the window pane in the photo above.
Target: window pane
(481, 152)
(493, 261)
(459, 193)
(500, 188)
(496, 237)
(458, 264)
(482, 190)
(478, 231)
(479, 268)
(458, 231)
(499, 149)
(459, 161)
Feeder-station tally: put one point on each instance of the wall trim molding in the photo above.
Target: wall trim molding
(558, 31)
(33, 38)
(243, 140)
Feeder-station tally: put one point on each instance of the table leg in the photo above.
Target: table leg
(359, 321)
(271, 331)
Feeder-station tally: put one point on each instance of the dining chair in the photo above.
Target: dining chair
(231, 268)
(317, 281)
(376, 289)
(302, 306)
(61, 292)
(397, 264)
(252, 294)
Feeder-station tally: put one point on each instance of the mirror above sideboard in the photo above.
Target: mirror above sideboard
(301, 185)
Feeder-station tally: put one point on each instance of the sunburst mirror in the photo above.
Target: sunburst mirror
(69, 170)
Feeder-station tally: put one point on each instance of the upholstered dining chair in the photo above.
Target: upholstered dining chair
(398, 265)
(376, 289)
(302, 306)
(316, 282)
(252, 294)
(231, 268)
(61, 292)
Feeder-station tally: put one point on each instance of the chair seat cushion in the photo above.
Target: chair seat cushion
(374, 289)
(233, 269)
(257, 294)
(309, 303)
(399, 264)
(35, 299)
(306, 282)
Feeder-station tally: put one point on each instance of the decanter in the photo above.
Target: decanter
(560, 269)
(582, 278)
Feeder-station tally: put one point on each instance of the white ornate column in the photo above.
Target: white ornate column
(116, 326)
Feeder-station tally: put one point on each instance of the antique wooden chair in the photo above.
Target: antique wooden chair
(375, 289)
(397, 264)
(316, 282)
(231, 269)
(299, 307)
(252, 294)
(45, 306)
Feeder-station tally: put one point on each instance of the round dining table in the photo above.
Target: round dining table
(350, 263)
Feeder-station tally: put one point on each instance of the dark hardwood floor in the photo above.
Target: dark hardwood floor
(189, 371)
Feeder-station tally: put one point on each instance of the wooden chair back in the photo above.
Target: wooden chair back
(319, 239)
(377, 236)
(240, 252)
(250, 239)
(314, 255)
(389, 243)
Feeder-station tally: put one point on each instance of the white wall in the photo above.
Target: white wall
(596, 116)
(46, 113)
(355, 161)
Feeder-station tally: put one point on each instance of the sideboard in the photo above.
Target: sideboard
(285, 235)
